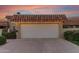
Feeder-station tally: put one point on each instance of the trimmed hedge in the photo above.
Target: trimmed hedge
(68, 34)
(76, 36)
(9, 35)
(2, 40)
(4, 33)
(72, 36)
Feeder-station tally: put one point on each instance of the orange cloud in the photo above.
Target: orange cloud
(11, 9)
(7, 9)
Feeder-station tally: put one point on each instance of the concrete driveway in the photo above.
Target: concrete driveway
(39, 46)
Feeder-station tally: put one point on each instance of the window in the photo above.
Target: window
(77, 26)
(65, 26)
(68, 26)
(1, 27)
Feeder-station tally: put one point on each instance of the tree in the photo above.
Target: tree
(18, 13)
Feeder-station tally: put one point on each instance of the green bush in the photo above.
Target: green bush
(72, 36)
(68, 35)
(2, 40)
(76, 37)
(9, 35)
(5, 34)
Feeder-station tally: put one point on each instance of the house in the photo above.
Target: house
(72, 24)
(38, 26)
(4, 24)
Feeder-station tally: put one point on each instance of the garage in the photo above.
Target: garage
(39, 31)
(38, 26)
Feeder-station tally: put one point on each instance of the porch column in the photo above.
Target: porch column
(61, 34)
(18, 28)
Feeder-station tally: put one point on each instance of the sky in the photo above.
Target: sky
(69, 10)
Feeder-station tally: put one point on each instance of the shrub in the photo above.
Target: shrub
(2, 40)
(76, 37)
(72, 36)
(68, 35)
(4, 33)
(9, 35)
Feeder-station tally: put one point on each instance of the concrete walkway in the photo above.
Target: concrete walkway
(39, 46)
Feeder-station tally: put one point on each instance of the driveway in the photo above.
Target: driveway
(39, 46)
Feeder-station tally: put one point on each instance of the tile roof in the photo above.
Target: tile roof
(72, 22)
(37, 18)
(3, 23)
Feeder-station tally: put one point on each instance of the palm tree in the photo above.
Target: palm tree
(18, 13)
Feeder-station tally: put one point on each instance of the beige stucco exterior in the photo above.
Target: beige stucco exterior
(18, 26)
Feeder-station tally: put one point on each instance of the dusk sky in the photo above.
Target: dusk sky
(69, 10)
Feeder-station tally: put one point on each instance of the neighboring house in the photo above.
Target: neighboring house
(72, 24)
(38, 26)
(4, 24)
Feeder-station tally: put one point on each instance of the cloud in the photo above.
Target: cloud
(68, 10)
(39, 9)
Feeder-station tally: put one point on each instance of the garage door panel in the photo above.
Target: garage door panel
(40, 31)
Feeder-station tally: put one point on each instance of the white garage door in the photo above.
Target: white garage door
(40, 31)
